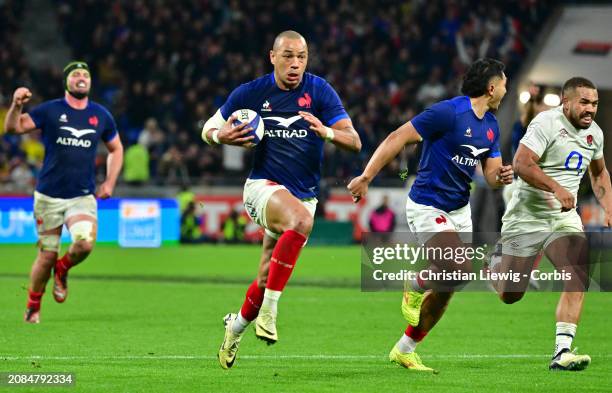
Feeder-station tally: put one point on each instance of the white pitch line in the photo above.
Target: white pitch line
(273, 357)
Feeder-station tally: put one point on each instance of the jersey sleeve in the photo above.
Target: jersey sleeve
(435, 120)
(331, 108)
(39, 115)
(493, 127)
(536, 138)
(599, 150)
(494, 152)
(110, 127)
(517, 133)
(235, 101)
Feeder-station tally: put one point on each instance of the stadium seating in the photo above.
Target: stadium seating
(177, 61)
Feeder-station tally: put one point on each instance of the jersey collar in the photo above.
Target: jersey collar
(75, 109)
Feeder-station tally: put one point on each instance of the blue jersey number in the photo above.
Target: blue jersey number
(578, 168)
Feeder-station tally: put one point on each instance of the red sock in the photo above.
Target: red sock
(254, 297)
(284, 256)
(537, 260)
(420, 282)
(64, 263)
(34, 299)
(415, 334)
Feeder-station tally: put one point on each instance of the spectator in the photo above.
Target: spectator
(233, 228)
(172, 169)
(5, 168)
(382, 219)
(190, 226)
(34, 150)
(21, 175)
(433, 90)
(185, 197)
(165, 59)
(136, 165)
(150, 133)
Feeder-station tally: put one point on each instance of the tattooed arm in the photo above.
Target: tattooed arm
(600, 181)
(527, 168)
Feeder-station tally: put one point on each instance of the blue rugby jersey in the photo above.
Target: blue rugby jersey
(290, 153)
(455, 141)
(70, 137)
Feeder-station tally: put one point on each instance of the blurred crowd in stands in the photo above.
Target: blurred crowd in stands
(164, 67)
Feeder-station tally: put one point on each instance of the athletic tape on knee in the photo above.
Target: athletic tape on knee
(49, 242)
(275, 236)
(82, 230)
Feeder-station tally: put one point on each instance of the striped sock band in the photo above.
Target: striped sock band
(565, 334)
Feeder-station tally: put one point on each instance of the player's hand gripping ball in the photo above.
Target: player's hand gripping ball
(254, 121)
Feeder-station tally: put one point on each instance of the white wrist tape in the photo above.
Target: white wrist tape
(204, 138)
(215, 122)
(330, 134)
(215, 137)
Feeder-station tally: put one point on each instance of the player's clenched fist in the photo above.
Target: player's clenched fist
(608, 220)
(505, 174)
(358, 187)
(21, 96)
(105, 191)
(568, 202)
(235, 135)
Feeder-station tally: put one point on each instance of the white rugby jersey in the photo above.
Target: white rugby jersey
(565, 154)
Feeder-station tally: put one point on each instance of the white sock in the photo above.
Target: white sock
(406, 344)
(239, 324)
(270, 300)
(565, 334)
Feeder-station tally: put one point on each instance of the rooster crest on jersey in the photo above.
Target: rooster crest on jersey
(305, 101)
(253, 120)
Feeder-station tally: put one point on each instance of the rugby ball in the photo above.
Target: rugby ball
(253, 120)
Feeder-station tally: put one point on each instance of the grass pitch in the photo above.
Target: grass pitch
(150, 321)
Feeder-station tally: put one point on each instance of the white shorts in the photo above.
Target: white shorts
(507, 192)
(425, 221)
(257, 193)
(524, 235)
(51, 213)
